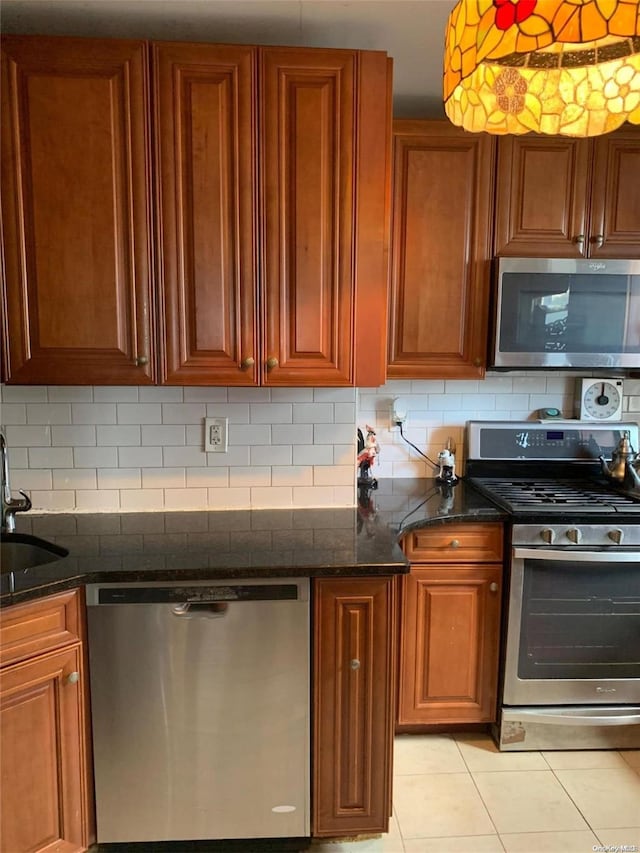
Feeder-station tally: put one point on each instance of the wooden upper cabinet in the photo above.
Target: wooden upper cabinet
(569, 198)
(205, 135)
(440, 252)
(272, 188)
(75, 211)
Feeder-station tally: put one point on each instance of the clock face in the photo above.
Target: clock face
(602, 400)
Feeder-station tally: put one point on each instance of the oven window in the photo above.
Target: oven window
(580, 620)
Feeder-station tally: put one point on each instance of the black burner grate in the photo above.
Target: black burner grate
(520, 495)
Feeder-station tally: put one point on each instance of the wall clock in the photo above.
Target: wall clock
(599, 399)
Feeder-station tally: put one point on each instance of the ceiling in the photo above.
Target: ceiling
(411, 31)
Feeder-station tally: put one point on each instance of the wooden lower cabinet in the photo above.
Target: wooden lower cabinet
(46, 791)
(450, 618)
(353, 708)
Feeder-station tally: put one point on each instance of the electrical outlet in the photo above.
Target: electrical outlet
(398, 412)
(216, 434)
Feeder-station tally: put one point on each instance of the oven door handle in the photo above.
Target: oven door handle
(552, 717)
(568, 555)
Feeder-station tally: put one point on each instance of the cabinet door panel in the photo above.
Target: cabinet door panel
(442, 182)
(75, 211)
(449, 644)
(615, 199)
(308, 112)
(205, 130)
(541, 197)
(44, 793)
(353, 708)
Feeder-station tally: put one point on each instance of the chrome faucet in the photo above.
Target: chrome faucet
(10, 505)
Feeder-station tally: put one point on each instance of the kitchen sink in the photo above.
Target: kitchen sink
(19, 551)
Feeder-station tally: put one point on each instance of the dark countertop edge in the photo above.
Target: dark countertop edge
(491, 513)
(181, 575)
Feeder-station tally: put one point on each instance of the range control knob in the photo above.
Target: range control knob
(548, 535)
(574, 535)
(616, 535)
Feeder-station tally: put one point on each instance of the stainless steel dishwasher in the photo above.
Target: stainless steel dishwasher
(200, 709)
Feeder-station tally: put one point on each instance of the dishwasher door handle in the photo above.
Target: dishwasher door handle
(208, 609)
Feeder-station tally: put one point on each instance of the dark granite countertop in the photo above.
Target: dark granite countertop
(152, 546)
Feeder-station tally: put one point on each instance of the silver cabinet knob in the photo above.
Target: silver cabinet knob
(355, 664)
(455, 543)
(493, 587)
(73, 678)
(579, 239)
(141, 360)
(574, 535)
(598, 240)
(616, 535)
(548, 535)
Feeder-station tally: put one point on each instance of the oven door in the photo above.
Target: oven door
(573, 630)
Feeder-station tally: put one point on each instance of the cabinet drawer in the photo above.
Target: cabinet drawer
(39, 626)
(446, 543)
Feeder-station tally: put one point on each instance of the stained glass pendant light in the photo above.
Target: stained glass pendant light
(569, 67)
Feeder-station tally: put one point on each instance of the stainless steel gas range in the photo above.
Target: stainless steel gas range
(570, 671)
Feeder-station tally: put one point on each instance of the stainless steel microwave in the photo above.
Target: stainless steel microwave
(563, 312)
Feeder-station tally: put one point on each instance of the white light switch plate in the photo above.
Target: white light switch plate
(216, 435)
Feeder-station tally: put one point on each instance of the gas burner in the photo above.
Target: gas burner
(550, 495)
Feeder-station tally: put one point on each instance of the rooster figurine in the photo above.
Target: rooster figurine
(368, 449)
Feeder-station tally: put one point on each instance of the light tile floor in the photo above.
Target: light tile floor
(458, 794)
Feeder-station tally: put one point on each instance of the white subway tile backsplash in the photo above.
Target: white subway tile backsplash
(250, 434)
(118, 436)
(31, 478)
(238, 413)
(271, 413)
(238, 455)
(75, 478)
(292, 434)
(119, 478)
(334, 395)
(159, 436)
(205, 395)
(24, 394)
(194, 457)
(333, 433)
(183, 413)
(162, 394)
(90, 500)
(143, 457)
(271, 497)
(248, 395)
(215, 478)
(333, 475)
(70, 394)
(140, 449)
(96, 457)
(142, 500)
(313, 413)
(13, 413)
(250, 476)
(313, 454)
(51, 457)
(185, 498)
(50, 501)
(28, 436)
(292, 395)
(278, 455)
(93, 413)
(292, 475)
(115, 394)
(232, 498)
(139, 413)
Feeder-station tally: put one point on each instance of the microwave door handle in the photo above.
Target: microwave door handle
(568, 555)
